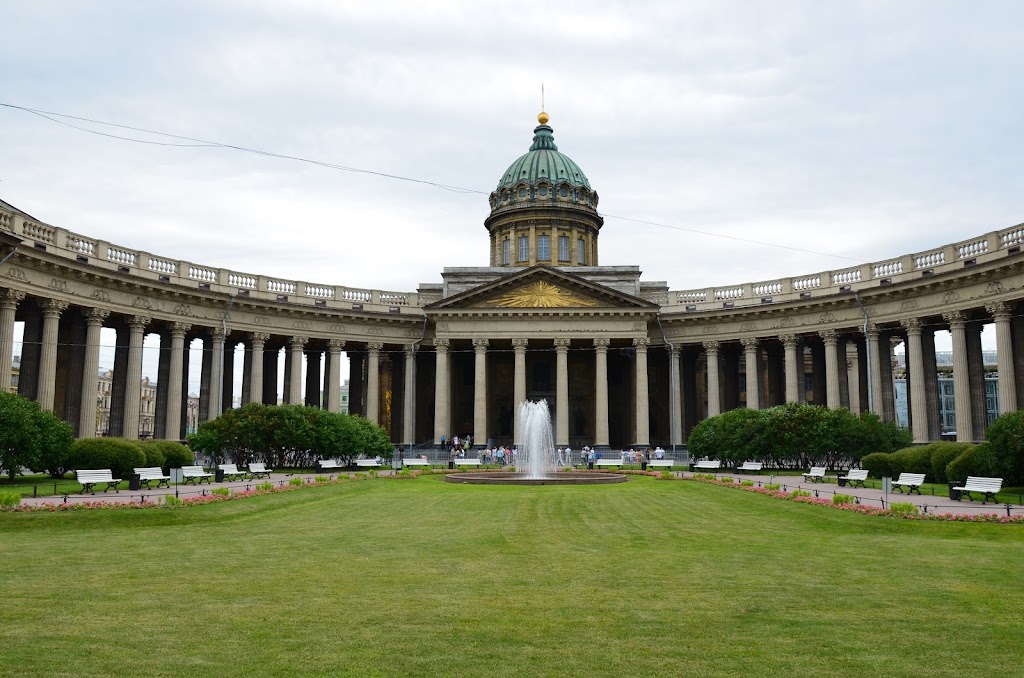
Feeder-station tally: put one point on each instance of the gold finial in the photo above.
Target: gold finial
(543, 117)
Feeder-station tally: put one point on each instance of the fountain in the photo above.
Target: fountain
(536, 463)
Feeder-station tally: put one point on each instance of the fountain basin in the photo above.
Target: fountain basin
(501, 478)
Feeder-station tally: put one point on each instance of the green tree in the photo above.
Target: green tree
(55, 441)
(20, 437)
(1006, 438)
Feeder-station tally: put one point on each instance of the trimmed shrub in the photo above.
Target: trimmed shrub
(878, 465)
(55, 441)
(1006, 436)
(117, 454)
(840, 499)
(905, 508)
(979, 461)
(942, 454)
(912, 460)
(169, 453)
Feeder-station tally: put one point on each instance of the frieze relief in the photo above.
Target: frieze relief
(709, 329)
(950, 297)
(58, 285)
(908, 305)
(183, 309)
(375, 331)
(995, 287)
(337, 327)
(100, 295)
(143, 302)
(301, 325)
(261, 320)
(827, 317)
(748, 327)
(17, 274)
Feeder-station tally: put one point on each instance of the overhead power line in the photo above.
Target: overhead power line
(192, 142)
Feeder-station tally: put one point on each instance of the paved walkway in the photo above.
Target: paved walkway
(870, 497)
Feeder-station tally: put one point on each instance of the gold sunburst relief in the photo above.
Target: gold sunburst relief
(540, 295)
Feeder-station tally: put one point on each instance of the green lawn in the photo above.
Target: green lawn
(422, 577)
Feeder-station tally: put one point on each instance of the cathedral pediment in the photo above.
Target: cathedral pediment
(541, 288)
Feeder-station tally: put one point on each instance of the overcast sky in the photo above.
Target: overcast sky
(860, 129)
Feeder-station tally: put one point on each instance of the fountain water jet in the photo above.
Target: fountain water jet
(536, 462)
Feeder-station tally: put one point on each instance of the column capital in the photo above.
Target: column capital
(750, 344)
(602, 344)
(873, 331)
(788, 340)
(375, 347)
(999, 310)
(830, 337)
(911, 325)
(219, 334)
(561, 344)
(641, 343)
(480, 345)
(410, 349)
(138, 322)
(298, 342)
(336, 345)
(441, 345)
(96, 316)
(54, 307)
(180, 329)
(710, 346)
(259, 338)
(956, 319)
(520, 344)
(10, 298)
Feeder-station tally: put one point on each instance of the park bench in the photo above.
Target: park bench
(148, 475)
(708, 465)
(415, 461)
(90, 478)
(194, 474)
(666, 464)
(367, 463)
(232, 472)
(328, 465)
(987, 486)
(259, 470)
(610, 463)
(855, 476)
(912, 481)
(754, 466)
(466, 462)
(815, 475)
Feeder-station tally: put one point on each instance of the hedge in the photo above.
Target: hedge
(167, 454)
(119, 455)
(979, 461)
(1006, 435)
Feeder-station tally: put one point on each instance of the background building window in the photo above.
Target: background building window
(524, 248)
(506, 251)
(581, 251)
(563, 248)
(543, 247)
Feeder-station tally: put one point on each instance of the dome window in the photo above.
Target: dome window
(543, 191)
(522, 192)
(564, 192)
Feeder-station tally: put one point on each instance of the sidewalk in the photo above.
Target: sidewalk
(870, 497)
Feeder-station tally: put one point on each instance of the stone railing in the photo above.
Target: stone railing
(947, 259)
(161, 270)
(121, 260)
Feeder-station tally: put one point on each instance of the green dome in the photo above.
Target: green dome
(543, 161)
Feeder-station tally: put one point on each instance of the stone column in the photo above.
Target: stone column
(643, 420)
(335, 348)
(294, 385)
(133, 384)
(961, 377)
(217, 338)
(480, 392)
(519, 384)
(1000, 311)
(714, 385)
(408, 412)
(52, 309)
(9, 300)
(256, 343)
(313, 395)
(853, 376)
(373, 382)
(175, 388)
(675, 398)
(976, 370)
(832, 396)
(441, 390)
(227, 370)
(792, 368)
(601, 394)
(561, 392)
(876, 356)
(750, 347)
(533, 243)
(915, 372)
(94, 318)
